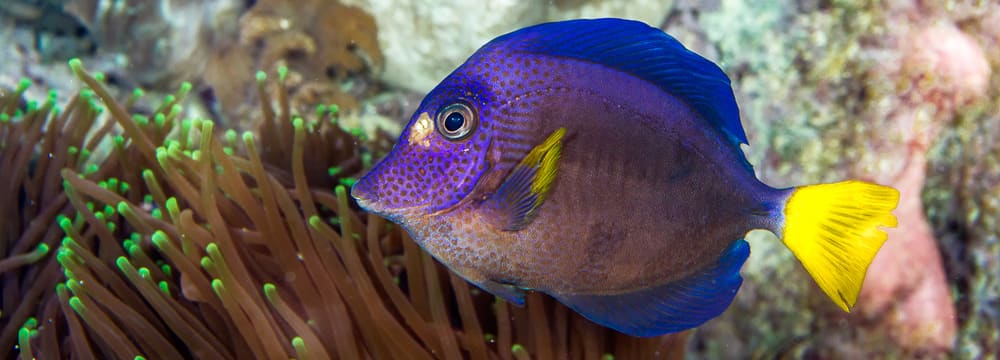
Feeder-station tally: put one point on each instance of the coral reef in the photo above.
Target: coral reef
(56, 34)
(329, 49)
(963, 187)
(185, 243)
(961, 196)
(29, 42)
(907, 295)
(862, 95)
(153, 43)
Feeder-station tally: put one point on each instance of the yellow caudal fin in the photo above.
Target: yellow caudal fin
(835, 231)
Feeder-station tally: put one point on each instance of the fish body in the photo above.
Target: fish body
(599, 161)
(638, 171)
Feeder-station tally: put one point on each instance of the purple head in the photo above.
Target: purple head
(466, 135)
(440, 156)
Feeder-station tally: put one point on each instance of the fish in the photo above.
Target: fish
(600, 162)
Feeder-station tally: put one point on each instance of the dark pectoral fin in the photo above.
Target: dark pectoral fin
(510, 293)
(517, 200)
(507, 292)
(672, 307)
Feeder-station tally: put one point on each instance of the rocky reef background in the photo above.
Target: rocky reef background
(902, 92)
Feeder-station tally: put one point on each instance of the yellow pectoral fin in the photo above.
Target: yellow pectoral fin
(545, 159)
(517, 200)
(835, 230)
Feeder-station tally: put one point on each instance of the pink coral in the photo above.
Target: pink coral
(949, 65)
(906, 293)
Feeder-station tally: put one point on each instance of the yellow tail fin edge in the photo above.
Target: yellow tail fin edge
(835, 230)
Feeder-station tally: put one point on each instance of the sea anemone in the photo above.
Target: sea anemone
(180, 242)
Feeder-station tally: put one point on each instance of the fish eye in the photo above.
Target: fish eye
(456, 121)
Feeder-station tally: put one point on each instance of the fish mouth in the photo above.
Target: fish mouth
(367, 200)
(370, 200)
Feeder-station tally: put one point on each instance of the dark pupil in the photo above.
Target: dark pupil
(454, 121)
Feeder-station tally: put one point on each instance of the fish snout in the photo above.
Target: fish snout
(365, 195)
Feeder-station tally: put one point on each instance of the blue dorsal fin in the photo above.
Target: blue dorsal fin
(671, 307)
(643, 51)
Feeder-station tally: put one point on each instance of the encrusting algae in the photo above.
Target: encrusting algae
(184, 243)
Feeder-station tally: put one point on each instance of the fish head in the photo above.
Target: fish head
(439, 158)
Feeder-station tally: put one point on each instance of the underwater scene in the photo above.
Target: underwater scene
(566, 179)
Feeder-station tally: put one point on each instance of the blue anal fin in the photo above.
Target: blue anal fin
(676, 306)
